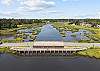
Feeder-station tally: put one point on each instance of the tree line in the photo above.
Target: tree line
(12, 23)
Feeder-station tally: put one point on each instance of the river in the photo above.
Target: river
(17, 63)
(49, 33)
(69, 63)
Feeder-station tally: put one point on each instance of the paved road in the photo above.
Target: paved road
(30, 44)
(82, 44)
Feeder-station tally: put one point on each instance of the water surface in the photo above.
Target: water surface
(15, 63)
(80, 35)
(48, 33)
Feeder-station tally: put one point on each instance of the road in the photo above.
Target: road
(66, 44)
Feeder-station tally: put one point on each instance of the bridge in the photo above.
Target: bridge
(45, 51)
(48, 47)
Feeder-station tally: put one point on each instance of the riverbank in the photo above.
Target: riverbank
(7, 50)
(7, 32)
(92, 52)
(4, 49)
(94, 37)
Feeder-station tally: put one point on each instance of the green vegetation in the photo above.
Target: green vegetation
(60, 28)
(73, 35)
(11, 26)
(4, 49)
(92, 52)
(19, 37)
(94, 36)
(7, 32)
(7, 50)
(17, 40)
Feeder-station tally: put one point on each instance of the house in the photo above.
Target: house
(19, 25)
(89, 25)
(82, 23)
(98, 26)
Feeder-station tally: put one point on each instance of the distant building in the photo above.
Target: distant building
(89, 25)
(98, 26)
(19, 25)
(25, 31)
(83, 23)
(48, 44)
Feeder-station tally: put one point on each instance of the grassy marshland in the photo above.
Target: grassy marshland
(92, 52)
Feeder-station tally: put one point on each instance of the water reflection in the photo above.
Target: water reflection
(75, 36)
(48, 33)
(12, 63)
(8, 37)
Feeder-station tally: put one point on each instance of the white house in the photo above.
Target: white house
(98, 26)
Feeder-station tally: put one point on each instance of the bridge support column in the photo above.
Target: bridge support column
(30, 53)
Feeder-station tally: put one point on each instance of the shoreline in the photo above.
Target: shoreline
(92, 53)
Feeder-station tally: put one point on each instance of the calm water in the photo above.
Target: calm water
(80, 35)
(48, 33)
(9, 37)
(12, 63)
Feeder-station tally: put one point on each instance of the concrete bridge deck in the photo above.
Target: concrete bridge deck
(43, 47)
(49, 43)
(56, 45)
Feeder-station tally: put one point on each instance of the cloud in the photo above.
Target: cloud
(54, 12)
(9, 13)
(12, 14)
(92, 16)
(47, 12)
(6, 2)
(30, 5)
(64, 0)
(36, 5)
(27, 7)
(69, 0)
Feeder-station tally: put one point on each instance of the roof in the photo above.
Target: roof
(25, 30)
(48, 43)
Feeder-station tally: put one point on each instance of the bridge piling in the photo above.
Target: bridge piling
(45, 53)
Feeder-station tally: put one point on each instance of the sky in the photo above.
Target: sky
(51, 9)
